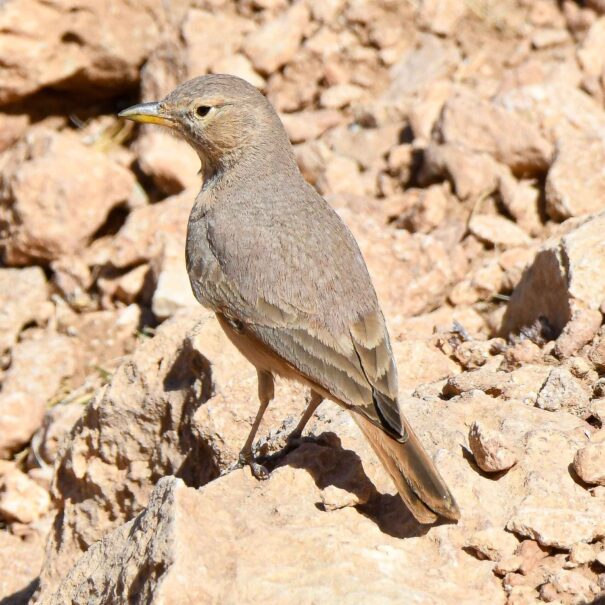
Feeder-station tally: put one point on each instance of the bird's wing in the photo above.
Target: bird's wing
(311, 302)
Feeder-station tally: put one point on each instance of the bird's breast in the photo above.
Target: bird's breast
(202, 266)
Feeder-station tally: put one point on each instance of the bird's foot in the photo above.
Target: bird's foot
(258, 470)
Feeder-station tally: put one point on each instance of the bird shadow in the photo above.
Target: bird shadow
(329, 464)
(21, 597)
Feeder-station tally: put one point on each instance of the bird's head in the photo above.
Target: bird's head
(222, 117)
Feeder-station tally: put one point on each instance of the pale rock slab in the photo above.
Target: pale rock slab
(210, 36)
(319, 471)
(472, 174)
(553, 524)
(580, 330)
(59, 44)
(194, 561)
(342, 175)
(471, 122)
(521, 200)
(420, 363)
(492, 453)
(591, 54)
(23, 295)
(441, 16)
(310, 124)
(431, 59)
(493, 543)
(562, 391)
(56, 425)
(559, 109)
(173, 288)
(141, 238)
(170, 162)
(589, 462)
(340, 95)
(44, 180)
(37, 368)
(19, 566)
(12, 128)
(497, 230)
(21, 499)
(239, 65)
(277, 42)
(136, 430)
(575, 184)
(368, 146)
(565, 275)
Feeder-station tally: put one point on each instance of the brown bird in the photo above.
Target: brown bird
(286, 278)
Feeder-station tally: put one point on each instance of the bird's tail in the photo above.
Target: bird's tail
(417, 480)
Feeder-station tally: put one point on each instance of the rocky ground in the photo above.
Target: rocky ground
(463, 142)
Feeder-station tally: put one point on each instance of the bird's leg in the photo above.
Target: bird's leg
(265, 395)
(313, 400)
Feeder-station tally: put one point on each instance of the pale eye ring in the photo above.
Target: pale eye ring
(202, 111)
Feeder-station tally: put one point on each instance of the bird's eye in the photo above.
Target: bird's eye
(202, 110)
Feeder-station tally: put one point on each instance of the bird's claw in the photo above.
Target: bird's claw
(258, 470)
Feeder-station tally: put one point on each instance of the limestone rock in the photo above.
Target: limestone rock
(582, 553)
(21, 499)
(430, 60)
(59, 45)
(579, 331)
(136, 430)
(589, 463)
(591, 55)
(173, 288)
(42, 204)
(169, 161)
(419, 363)
(307, 125)
(19, 566)
(562, 391)
(367, 146)
(574, 585)
(322, 468)
(12, 127)
(56, 425)
(340, 95)
(141, 238)
(239, 65)
(554, 525)
(566, 274)
(277, 42)
(493, 543)
(470, 122)
(342, 175)
(497, 230)
(473, 175)
(521, 200)
(491, 452)
(441, 16)
(522, 384)
(210, 37)
(23, 293)
(428, 212)
(558, 108)
(250, 536)
(576, 181)
(37, 368)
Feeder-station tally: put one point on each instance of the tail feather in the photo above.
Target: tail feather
(418, 482)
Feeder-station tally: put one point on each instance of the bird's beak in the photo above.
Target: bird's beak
(150, 113)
